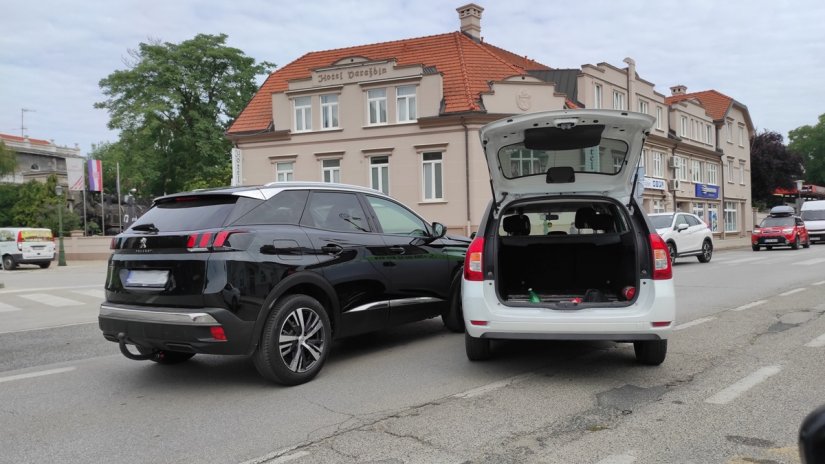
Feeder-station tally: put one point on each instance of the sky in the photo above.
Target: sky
(768, 55)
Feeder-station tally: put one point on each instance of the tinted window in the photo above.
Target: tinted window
(681, 219)
(189, 213)
(283, 208)
(813, 215)
(395, 219)
(777, 222)
(692, 221)
(335, 211)
(662, 222)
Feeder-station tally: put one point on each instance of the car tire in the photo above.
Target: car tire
(755, 247)
(707, 252)
(453, 316)
(795, 244)
(291, 315)
(807, 243)
(45, 265)
(478, 349)
(164, 356)
(650, 352)
(671, 248)
(9, 263)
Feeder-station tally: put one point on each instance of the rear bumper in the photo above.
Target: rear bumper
(772, 240)
(656, 303)
(30, 258)
(176, 329)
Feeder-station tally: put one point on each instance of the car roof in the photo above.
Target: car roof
(269, 190)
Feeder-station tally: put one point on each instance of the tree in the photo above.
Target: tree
(772, 166)
(173, 105)
(8, 160)
(37, 205)
(809, 142)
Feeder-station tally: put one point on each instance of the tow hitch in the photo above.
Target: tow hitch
(121, 338)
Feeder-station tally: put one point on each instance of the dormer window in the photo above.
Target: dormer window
(405, 103)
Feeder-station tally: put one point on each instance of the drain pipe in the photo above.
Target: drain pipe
(467, 172)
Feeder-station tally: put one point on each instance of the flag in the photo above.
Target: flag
(74, 173)
(95, 176)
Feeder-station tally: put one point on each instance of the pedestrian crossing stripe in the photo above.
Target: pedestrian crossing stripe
(51, 300)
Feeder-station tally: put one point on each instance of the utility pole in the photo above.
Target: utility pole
(23, 128)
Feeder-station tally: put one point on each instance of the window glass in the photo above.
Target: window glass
(189, 213)
(329, 111)
(303, 114)
(777, 222)
(692, 221)
(284, 171)
(335, 211)
(405, 103)
(432, 176)
(283, 208)
(331, 170)
(395, 219)
(377, 106)
(380, 174)
(661, 222)
(681, 219)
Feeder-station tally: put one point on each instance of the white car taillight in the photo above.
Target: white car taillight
(662, 269)
(473, 267)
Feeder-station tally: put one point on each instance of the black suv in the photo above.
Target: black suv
(276, 272)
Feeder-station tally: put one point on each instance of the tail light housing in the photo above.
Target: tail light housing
(19, 241)
(210, 241)
(662, 269)
(473, 263)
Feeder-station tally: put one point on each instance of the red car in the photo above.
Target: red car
(781, 228)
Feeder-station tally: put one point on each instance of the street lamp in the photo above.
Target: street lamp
(61, 254)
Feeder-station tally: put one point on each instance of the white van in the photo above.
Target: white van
(24, 245)
(813, 213)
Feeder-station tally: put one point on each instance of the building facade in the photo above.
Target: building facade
(37, 159)
(403, 117)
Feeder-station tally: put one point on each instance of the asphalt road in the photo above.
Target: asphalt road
(744, 367)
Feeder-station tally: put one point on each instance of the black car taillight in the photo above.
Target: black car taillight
(209, 241)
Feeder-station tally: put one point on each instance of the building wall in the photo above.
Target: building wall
(736, 164)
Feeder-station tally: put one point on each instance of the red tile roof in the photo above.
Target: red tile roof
(716, 104)
(467, 68)
(15, 138)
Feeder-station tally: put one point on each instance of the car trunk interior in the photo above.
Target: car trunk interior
(565, 252)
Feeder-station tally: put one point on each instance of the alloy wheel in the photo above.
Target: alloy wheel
(301, 339)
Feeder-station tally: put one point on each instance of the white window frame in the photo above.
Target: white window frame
(730, 170)
(284, 171)
(658, 206)
(713, 211)
(597, 96)
(432, 171)
(658, 164)
(331, 170)
(659, 117)
(383, 171)
(731, 223)
(709, 134)
(696, 171)
(712, 174)
(741, 172)
(406, 103)
(644, 107)
(684, 127)
(329, 111)
(680, 172)
(741, 135)
(699, 210)
(729, 126)
(643, 159)
(303, 113)
(618, 100)
(377, 107)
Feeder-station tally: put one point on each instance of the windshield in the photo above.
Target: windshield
(662, 222)
(188, 213)
(777, 222)
(583, 150)
(813, 215)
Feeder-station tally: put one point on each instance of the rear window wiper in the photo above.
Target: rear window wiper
(148, 227)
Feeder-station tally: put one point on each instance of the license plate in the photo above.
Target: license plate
(771, 240)
(814, 239)
(144, 278)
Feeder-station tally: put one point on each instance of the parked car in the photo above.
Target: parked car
(277, 272)
(563, 251)
(685, 234)
(813, 214)
(26, 245)
(780, 228)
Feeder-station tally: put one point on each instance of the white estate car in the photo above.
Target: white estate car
(563, 251)
(685, 235)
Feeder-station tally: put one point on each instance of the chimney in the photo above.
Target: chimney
(470, 16)
(678, 90)
(631, 83)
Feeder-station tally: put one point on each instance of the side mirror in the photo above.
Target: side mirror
(439, 230)
(812, 437)
(681, 227)
(472, 235)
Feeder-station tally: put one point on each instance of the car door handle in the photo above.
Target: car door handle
(397, 250)
(332, 249)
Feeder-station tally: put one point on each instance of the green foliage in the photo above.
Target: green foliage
(8, 160)
(772, 166)
(173, 105)
(35, 205)
(9, 194)
(809, 142)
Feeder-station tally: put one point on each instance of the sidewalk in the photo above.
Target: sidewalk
(731, 242)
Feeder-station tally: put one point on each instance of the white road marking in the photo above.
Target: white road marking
(817, 342)
(46, 289)
(48, 327)
(618, 459)
(791, 292)
(478, 391)
(36, 374)
(810, 262)
(92, 292)
(290, 457)
(51, 300)
(731, 393)
(278, 456)
(694, 322)
(750, 305)
(7, 308)
(819, 283)
(743, 260)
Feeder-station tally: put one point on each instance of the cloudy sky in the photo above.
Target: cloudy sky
(769, 55)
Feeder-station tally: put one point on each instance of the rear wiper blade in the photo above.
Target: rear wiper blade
(148, 227)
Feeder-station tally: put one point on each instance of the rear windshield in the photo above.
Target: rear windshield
(562, 218)
(661, 222)
(813, 215)
(777, 222)
(581, 148)
(36, 235)
(189, 213)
